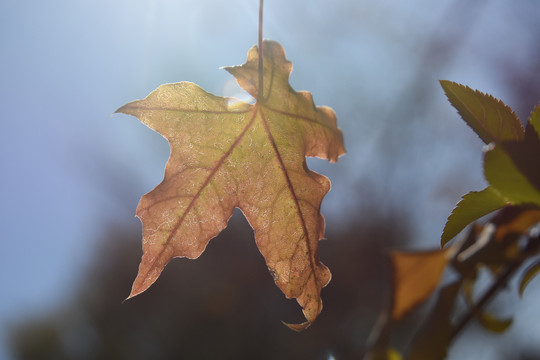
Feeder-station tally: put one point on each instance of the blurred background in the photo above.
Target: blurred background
(72, 173)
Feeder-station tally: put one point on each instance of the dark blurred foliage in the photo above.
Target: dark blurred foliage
(223, 305)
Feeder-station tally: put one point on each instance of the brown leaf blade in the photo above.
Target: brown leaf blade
(227, 154)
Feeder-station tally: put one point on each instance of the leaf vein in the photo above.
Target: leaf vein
(199, 191)
(292, 192)
(305, 118)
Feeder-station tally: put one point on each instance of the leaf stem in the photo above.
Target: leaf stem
(501, 282)
(261, 88)
(532, 247)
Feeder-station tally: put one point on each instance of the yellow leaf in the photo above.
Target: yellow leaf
(416, 275)
(225, 154)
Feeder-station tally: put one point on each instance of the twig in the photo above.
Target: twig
(261, 87)
(501, 281)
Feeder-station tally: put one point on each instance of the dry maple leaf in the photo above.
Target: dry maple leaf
(226, 153)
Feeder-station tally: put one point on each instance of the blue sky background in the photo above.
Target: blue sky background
(66, 66)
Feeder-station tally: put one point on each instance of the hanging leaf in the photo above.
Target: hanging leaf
(225, 154)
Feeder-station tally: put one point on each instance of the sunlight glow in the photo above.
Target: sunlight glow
(237, 96)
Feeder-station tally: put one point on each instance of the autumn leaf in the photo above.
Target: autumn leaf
(226, 153)
(415, 276)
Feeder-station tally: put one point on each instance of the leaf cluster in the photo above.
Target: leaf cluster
(501, 246)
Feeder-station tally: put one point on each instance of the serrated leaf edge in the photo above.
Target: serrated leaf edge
(476, 92)
(465, 200)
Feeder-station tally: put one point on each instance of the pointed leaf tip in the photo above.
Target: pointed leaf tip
(472, 206)
(489, 117)
(275, 64)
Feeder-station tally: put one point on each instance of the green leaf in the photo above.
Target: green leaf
(490, 118)
(434, 337)
(473, 206)
(525, 155)
(503, 174)
(535, 119)
(528, 275)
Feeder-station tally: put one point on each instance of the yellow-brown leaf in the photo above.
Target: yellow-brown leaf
(416, 275)
(225, 154)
